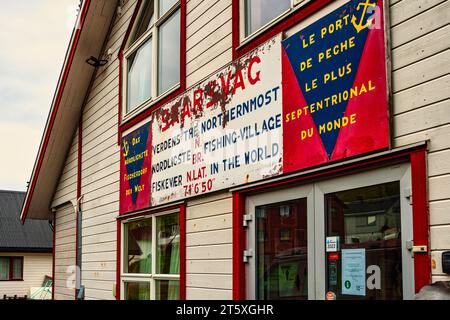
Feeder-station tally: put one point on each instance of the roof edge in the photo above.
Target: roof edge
(56, 101)
(26, 250)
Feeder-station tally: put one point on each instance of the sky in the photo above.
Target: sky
(34, 36)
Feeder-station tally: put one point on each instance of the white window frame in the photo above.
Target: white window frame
(244, 39)
(138, 277)
(151, 33)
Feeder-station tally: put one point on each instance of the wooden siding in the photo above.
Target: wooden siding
(209, 219)
(209, 247)
(208, 38)
(420, 31)
(35, 267)
(67, 185)
(65, 251)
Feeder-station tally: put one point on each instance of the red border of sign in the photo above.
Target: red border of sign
(416, 156)
(182, 209)
(144, 114)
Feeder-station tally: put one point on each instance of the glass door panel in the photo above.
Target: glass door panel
(281, 251)
(280, 245)
(367, 219)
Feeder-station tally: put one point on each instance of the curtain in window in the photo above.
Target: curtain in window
(168, 257)
(174, 290)
(4, 268)
(137, 291)
(140, 247)
(139, 76)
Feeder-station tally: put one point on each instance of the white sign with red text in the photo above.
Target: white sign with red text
(223, 132)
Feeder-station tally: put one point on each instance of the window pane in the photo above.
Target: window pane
(367, 219)
(281, 244)
(169, 53)
(165, 5)
(260, 12)
(168, 244)
(137, 291)
(139, 247)
(139, 76)
(167, 290)
(146, 19)
(17, 268)
(4, 268)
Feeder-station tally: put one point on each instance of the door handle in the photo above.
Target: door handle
(415, 249)
(419, 249)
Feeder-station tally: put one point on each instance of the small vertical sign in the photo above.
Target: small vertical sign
(135, 171)
(354, 272)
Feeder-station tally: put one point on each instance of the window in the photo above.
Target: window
(259, 13)
(152, 60)
(11, 268)
(151, 258)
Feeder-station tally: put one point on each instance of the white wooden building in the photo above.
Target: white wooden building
(179, 234)
(25, 252)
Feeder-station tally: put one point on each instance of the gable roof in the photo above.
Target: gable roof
(87, 40)
(33, 236)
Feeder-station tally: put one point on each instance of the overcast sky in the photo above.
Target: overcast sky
(34, 35)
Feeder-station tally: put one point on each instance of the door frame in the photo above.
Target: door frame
(414, 154)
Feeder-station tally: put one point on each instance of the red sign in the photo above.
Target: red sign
(135, 172)
(334, 256)
(335, 102)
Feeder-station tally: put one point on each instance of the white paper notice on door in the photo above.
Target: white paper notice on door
(354, 272)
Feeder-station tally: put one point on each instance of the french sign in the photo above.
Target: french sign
(334, 77)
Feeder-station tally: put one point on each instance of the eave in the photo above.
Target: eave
(87, 40)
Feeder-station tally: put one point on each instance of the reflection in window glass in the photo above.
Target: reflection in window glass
(260, 12)
(168, 244)
(167, 290)
(137, 291)
(281, 237)
(146, 20)
(169, 53)
(165, 5)
(139, 76)
(4, 268)
(139, 247)
(367, 218)
(17, 268)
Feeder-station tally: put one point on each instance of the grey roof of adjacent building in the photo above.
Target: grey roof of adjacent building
(33, 236)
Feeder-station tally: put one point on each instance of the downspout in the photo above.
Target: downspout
(79, 291)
